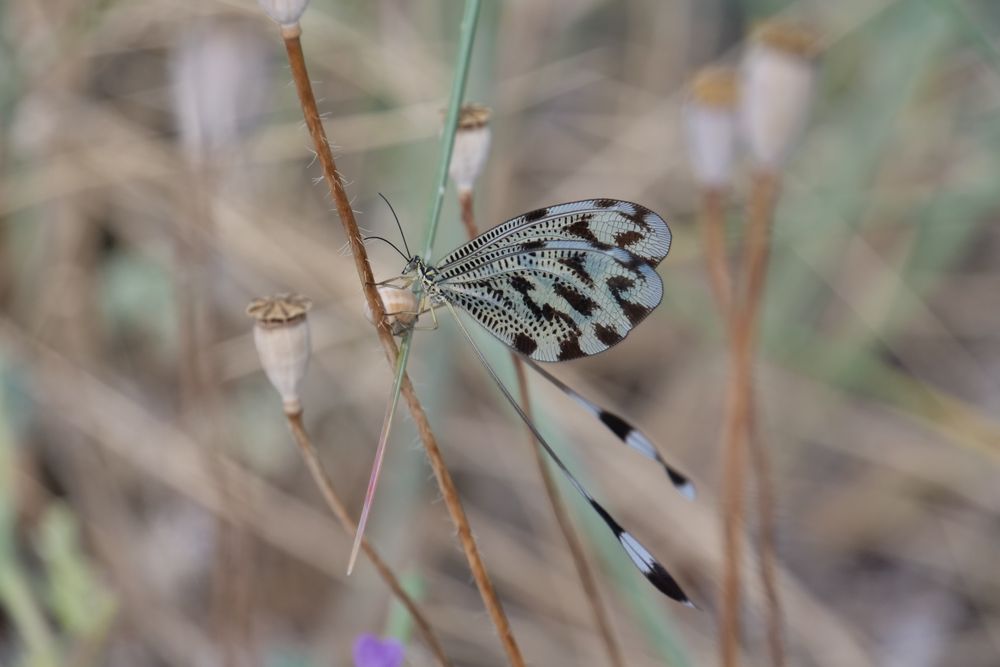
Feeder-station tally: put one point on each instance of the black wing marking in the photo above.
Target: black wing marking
(555, 300)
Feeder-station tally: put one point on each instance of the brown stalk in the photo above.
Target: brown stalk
(760, 214)
(712, 219)
(579, 556)
(713, 222)
(296, 60)
(468, 217)
(339, 510)
(739, 433)
(733, 474)
(760, 460)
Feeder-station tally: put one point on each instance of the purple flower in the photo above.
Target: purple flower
(370, 651)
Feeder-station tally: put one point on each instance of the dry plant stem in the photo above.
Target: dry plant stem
(763, 195)
(583, 570)
(303, 86)
(733, 486)
(713, 226)
(450, 495)
(739, 432)
(761, 463)
(468, 217)
(339, 510)
(760, 215)
(720, 279)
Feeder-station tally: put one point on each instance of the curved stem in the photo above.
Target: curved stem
(303, 86)
(742, 315)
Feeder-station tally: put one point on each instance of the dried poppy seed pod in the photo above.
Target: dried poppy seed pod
(216, 87)
(778, 78)
(472, 145)
(286, 13)
(400, 308)
(281, 335)
(711, 126)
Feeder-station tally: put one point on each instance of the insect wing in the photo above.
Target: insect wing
(557, 300)
(561, 282)
(651, 568)
(624, 431)
(602, 223)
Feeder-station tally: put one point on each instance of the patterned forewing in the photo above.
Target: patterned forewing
(604, 224)
(556, 300)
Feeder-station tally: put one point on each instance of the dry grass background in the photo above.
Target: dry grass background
(122, 219)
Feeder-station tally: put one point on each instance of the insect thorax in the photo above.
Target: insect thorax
(424, 278)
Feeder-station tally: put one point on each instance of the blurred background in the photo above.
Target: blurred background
(155, 176)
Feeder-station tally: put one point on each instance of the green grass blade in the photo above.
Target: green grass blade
(465, 42)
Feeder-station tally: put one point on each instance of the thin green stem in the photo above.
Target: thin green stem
(467, 33)
(465, 41)
(497, 614)
(399, 624)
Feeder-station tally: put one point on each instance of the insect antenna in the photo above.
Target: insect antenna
(394, 247)
(654, 572)
(628, 434)
(397, 224)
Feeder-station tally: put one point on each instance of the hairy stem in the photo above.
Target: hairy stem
(303, 86)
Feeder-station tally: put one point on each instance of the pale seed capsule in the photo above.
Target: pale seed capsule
(281, 335)
(217, 91)
(777, 87)
(400, 308)
(284, 12)
(710, 117)
(472, 146)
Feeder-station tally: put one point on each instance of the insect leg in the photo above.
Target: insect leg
(434, 317)
(388, 282)
(434, 320)
(654, 572)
